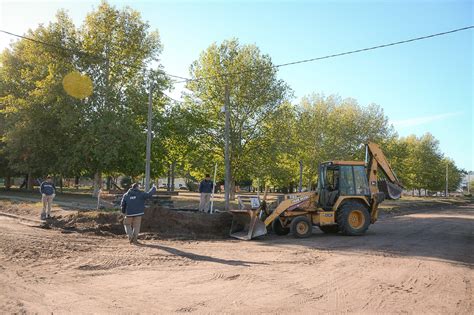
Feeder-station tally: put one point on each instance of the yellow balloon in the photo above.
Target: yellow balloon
(77, 85)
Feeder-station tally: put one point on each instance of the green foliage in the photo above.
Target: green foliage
(254, 97)
(35, 107)
(48, 131)
(331, 128)
(45, 130)
(421, 165)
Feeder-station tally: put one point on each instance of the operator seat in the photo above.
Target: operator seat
(327, 198)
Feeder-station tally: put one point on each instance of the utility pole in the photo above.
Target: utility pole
(226, 148)
(98, 172)
(300, 188)
(446, 193)
(148, 140)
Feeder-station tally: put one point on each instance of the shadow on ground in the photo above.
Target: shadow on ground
(196, 257)
(446, 234)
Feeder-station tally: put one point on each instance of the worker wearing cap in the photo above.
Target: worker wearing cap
(205, 188)
(48, 192)
(133, 206)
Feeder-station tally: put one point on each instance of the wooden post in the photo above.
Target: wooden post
(213, 188)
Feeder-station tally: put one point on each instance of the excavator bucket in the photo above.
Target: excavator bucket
(246, 224)
(391, 191)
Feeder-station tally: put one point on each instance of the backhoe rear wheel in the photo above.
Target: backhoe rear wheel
(329, 229)
(353, 218)
(278, 228)
(301, 227)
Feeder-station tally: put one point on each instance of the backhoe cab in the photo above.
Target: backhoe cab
(340, 178)
(346, 200)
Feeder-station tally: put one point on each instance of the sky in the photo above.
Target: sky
(424, 86)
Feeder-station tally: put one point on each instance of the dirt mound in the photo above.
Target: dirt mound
(90, 221)
(157, 221)
(186, 224)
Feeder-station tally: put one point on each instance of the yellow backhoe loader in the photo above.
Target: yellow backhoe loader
(346, 200)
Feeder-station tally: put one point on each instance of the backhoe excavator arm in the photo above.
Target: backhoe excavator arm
(378, 160)
(391, 188)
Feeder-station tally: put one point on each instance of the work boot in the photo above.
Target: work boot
(43, 216)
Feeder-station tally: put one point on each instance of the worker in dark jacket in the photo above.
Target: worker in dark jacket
(48, 192)
(205, 188)
(133, 206)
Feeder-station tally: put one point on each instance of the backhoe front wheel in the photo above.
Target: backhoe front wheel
(301, 227)
(278, 227)
(353, 218)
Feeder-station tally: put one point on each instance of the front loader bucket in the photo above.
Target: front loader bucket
(246, 225)
(391, 191)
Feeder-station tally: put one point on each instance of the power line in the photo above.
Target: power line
(84, 53)
(331, 56)
(185, 80)
(51, 45)
(376, 47)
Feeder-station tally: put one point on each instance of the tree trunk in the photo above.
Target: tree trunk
(172, 175)
(97, 183)
(8, 182)
(61, 184)
(232, 190)
(31, 181)
(168, 185)
(76, 182)
(109, 183)
(265, 193)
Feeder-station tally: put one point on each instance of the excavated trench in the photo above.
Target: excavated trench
(157, 222)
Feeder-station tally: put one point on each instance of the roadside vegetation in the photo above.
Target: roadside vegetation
(48, 126)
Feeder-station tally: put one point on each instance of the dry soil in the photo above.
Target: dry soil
(420, 262)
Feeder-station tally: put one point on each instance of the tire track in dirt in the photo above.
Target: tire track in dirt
(410, 264)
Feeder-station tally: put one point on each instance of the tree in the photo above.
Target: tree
(35, 106)
(275, 159)
(421, 164)
(255, 93)
(49, 131)
(454, 174)
(114, 116)
(175, 142)
(331, 128)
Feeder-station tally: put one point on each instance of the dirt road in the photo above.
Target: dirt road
(416, 263)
